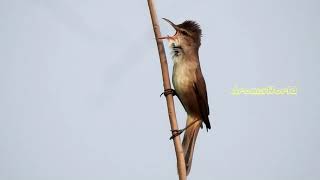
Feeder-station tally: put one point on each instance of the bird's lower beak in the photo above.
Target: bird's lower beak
(165, 37)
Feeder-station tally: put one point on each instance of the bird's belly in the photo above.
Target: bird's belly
(183, 85)
(182, 80)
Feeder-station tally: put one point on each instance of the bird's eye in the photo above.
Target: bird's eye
(184, 33)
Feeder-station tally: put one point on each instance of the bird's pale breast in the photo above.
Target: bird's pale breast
(183, 80)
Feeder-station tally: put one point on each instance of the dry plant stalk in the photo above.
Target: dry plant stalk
(167, 85)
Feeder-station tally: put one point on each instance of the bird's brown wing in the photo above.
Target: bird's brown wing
(202, 98)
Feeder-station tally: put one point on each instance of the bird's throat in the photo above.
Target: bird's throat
(176, 50)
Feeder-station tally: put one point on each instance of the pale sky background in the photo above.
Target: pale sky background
(80, 84)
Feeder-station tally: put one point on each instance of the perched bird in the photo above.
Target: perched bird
(188, 82)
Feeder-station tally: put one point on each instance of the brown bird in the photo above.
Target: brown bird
(188, 83)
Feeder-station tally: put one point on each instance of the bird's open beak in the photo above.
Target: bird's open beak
(173, 25)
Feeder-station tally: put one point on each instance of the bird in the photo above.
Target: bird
(188, 82)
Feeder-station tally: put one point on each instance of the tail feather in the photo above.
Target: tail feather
(189, 141)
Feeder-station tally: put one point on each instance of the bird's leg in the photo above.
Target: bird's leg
(177, 132)
(168, 91)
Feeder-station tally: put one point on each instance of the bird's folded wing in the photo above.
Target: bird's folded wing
(202, 98)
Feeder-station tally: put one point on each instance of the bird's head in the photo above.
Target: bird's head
(188, 35)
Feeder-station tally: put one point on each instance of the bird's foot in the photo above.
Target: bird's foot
(176, 132)
(168, 91)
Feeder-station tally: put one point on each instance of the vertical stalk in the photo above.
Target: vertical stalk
(167, 85)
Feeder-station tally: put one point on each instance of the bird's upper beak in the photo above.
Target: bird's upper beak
(173, 25)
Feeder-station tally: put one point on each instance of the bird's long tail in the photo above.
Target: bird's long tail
(189, 141)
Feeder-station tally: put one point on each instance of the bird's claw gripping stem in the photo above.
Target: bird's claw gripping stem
(168, 91)
(176, 133)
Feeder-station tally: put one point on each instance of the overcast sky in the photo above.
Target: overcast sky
(80, 84)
